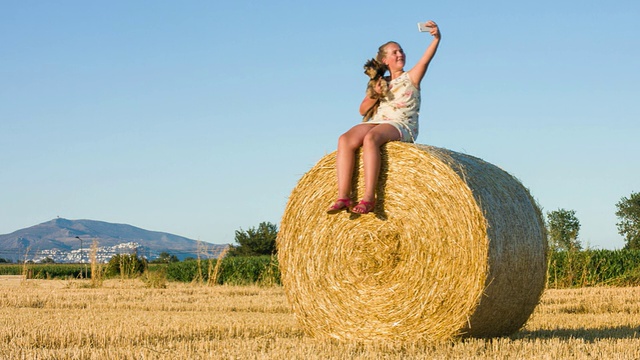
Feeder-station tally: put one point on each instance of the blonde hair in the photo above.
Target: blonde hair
(382, 50)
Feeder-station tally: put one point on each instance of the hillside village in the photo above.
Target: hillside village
(103, 253)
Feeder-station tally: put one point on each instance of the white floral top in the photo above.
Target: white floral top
(400, 108)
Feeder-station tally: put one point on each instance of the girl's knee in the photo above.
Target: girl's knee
(347, 142)
(372, 139)
(343, 140)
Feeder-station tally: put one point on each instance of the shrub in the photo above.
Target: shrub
(184, 271)
(126, 265)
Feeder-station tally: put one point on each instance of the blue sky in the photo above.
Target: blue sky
(199, 117)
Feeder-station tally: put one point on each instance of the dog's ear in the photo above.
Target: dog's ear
(379, 64)
(374, 68)
(378, 67)
(370, 63)
(370, 68)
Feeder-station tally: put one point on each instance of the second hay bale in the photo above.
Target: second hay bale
(455, 246)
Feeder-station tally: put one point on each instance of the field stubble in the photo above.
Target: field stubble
(61, 319)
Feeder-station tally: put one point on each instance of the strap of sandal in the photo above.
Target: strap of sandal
(367, 206)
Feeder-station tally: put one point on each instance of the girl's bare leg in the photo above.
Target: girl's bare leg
(348, 143)
(371, 144)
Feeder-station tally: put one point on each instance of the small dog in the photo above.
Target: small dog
(375, 70)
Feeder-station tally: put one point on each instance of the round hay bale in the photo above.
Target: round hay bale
(454, 247)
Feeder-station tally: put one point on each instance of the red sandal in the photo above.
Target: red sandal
(363, 207)
(339, 205)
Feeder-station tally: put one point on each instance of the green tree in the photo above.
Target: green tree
(165, 258)
(126, 265)
(255, 241)
(629, 216)
(563, 229)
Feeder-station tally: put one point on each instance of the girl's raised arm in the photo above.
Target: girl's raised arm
(417, 72)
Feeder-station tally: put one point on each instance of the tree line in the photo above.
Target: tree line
(564, 227)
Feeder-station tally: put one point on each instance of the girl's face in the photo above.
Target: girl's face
(394, 57)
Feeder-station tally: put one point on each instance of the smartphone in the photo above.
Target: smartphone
(422, 27)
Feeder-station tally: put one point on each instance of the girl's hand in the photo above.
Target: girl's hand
(433, 29)
(378, 87)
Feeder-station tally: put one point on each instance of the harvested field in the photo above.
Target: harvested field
(60, 319)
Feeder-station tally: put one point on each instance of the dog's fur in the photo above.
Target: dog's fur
(375, 70)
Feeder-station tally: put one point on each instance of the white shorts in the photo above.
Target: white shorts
(406, 133)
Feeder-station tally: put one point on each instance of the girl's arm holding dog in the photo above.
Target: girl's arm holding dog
(417, 72)
(368, 102)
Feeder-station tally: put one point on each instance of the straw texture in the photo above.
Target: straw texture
(455, 247)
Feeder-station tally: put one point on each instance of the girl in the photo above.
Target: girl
(395, 120)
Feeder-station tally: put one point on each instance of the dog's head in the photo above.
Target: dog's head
(373, 68)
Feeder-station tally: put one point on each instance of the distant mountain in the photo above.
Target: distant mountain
(65, 237)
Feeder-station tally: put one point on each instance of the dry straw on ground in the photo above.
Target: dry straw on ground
(125, 320)
(455, 246)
